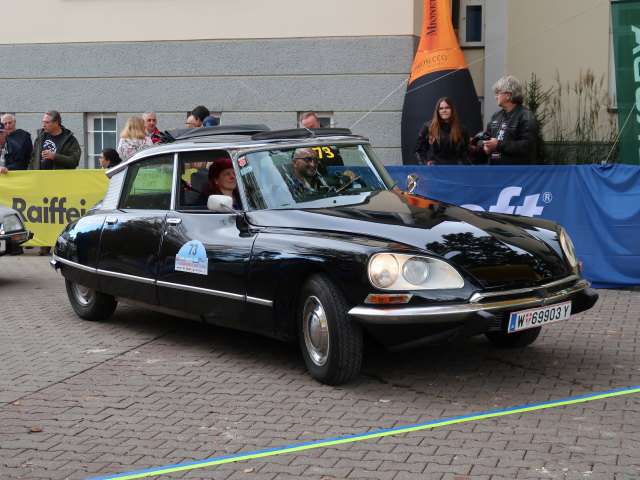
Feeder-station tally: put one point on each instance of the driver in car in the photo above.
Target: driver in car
(305, 171)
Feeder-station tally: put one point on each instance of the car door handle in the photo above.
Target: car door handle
(111, 220)
(174, 221)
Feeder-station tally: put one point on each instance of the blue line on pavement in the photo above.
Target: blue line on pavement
(364, 436)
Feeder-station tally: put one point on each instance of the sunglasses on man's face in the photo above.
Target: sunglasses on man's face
(307, 159)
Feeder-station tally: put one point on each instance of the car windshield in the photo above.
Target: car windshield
(288, 177)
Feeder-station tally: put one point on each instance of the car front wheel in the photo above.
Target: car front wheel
(88, 303)
(514, 340)
(330, 341)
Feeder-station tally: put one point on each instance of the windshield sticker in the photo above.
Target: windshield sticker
(192, 258)
(246, 170)
(242, 161)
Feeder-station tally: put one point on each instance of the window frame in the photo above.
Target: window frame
(462, 23)
(325, 118)
(92, 154)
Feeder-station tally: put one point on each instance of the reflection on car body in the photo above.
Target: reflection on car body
(318, 266)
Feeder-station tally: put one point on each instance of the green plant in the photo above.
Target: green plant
(536, 99)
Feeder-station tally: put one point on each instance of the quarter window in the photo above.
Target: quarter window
(148, 184)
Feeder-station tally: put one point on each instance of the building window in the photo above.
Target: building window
(101, 133)
(325, 118)
(471, 23)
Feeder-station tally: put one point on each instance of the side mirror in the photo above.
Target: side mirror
(220, 203)
(412, 182)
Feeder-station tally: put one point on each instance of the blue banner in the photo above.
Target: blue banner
(599, 206)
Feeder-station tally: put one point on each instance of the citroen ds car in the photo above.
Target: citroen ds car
(326, 259)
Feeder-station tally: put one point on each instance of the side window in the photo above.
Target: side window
(194, 177)
(148, 184)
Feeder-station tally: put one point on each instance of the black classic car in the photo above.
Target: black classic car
(320, 260)
(13, 232)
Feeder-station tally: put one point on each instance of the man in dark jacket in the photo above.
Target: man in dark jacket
(513, 129)
(55, 147)
(18, 144)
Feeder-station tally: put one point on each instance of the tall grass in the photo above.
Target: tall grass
(577, 127)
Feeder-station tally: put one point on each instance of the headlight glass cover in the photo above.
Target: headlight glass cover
(395, 271)
(11, 223)
(568, 249)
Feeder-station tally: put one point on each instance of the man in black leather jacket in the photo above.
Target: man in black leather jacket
(513, 129)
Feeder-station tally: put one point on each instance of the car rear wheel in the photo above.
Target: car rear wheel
(514, 340)
(88, 303)
(330, 341)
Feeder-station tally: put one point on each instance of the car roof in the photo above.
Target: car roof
(237, 137)
(256, 132)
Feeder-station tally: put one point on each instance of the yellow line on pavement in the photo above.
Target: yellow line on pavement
(366, 436)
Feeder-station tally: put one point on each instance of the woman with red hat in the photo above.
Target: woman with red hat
(222, 181)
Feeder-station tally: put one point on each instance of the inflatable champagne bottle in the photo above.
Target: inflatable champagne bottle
(439, 70)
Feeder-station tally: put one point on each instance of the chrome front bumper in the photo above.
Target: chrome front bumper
(577, 290)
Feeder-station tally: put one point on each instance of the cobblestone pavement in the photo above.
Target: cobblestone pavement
(86, 399)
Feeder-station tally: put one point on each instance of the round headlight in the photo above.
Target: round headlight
(11, 223)
(568, 249)
(384, 270)
(415, 270)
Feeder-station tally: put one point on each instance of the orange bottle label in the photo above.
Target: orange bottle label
(439, 48)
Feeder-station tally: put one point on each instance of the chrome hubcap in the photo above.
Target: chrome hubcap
(84, 295)
(316, 330)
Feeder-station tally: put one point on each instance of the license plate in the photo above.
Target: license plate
(537, 317)
(3, 246)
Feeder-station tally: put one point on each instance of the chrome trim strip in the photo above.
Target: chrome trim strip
(216, 293)
(454, 313)
(478, 297)
(206, 291)
(79, 266)
(125, 276)
(260, 301)
(133, 278)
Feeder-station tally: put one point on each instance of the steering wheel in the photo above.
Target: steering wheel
(348, 184)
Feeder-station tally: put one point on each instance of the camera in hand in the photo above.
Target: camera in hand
(476, 153)
(478, 140)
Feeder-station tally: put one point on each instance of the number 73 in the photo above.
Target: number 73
(324, 152)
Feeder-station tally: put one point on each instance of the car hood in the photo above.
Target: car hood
(495, 249)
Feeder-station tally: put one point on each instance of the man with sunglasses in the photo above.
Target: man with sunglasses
(305, 171)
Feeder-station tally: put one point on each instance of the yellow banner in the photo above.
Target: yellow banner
(51, 199)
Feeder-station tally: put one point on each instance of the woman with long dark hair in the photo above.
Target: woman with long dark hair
(109, 158)
(443, 140)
